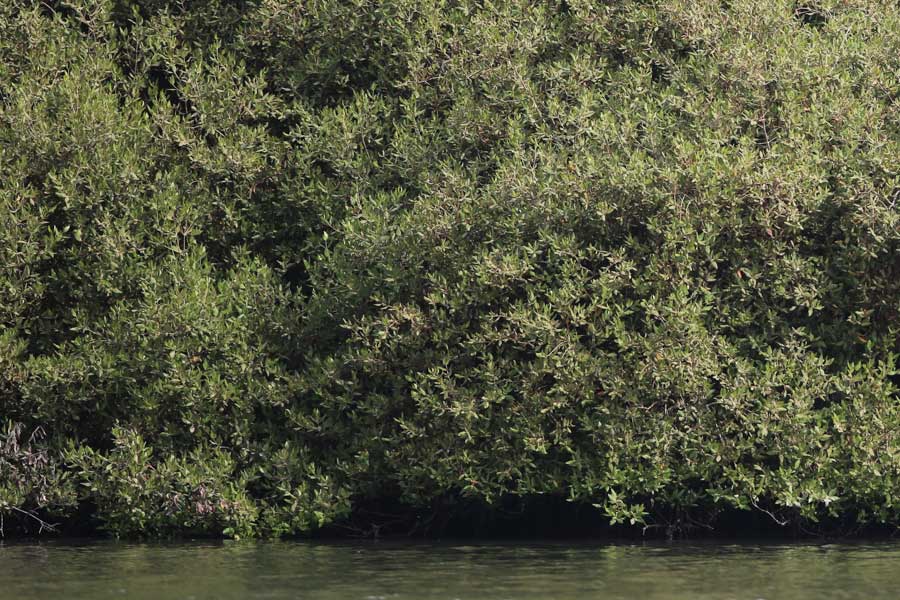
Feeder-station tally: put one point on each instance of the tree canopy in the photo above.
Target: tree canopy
(265, 261)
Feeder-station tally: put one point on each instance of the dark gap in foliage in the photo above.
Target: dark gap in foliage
(550, 516)
(659, 74)
(59, 9)
(297, 278)
(450, 515)
(159, 79)
(124, 14)
(811, 15)
(280, 126)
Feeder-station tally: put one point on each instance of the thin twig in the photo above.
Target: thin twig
(42, 523)
(774, 518)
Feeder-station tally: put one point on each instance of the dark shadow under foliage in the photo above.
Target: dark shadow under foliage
(449, 267)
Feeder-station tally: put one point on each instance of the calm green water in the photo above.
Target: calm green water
(376, 571)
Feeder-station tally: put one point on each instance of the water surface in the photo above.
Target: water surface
(447, 571)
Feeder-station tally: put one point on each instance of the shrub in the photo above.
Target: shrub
(309, 257)
(32, 480)
(136, 496)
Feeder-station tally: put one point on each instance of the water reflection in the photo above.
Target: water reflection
(371, 571)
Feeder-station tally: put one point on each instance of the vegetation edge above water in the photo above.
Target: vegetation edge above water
(267, 265)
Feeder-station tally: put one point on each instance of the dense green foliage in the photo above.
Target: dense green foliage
(265, 261)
